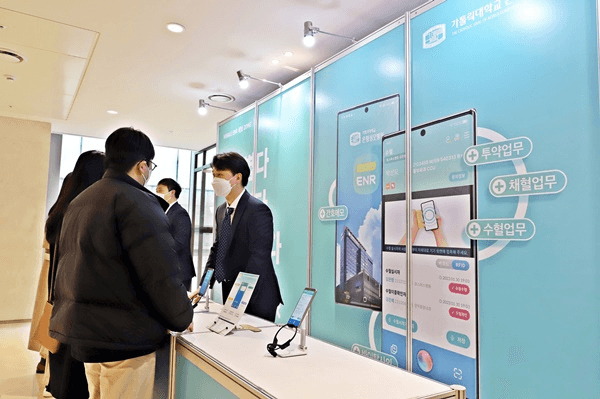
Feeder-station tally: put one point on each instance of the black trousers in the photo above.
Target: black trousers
(67, 375)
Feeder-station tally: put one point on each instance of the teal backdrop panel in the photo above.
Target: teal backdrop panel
(237, 135)
(193, 383)
(282, 179)
(530, 69)
(372, 72)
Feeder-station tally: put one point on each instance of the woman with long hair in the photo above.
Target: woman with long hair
(67, 375)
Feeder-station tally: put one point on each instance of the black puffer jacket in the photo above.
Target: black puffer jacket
(117, 285)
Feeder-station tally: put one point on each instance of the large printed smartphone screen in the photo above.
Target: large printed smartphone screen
(302, 307)
(358, 237)
(443, 261)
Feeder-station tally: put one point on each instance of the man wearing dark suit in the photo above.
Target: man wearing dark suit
(181, 228)
(244, 236)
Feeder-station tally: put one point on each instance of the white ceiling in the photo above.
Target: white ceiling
(153, 77)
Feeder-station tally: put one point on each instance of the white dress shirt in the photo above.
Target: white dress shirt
(235, 203)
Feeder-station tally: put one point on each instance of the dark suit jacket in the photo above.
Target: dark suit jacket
(181, 229)
(249, 250)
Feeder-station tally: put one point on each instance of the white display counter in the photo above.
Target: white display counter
(240, 363)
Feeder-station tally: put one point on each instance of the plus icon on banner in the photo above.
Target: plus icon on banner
(499, 187)
(472, 155)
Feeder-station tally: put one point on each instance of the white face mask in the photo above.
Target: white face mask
(166, 196)
(145, 178)
(222, 187)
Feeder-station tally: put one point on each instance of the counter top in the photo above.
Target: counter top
(326, 371)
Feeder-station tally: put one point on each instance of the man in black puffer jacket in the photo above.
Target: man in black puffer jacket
(117, 288)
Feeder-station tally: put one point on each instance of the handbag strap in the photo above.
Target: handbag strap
(52, 270)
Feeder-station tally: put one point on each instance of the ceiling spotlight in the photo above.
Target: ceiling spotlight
(10, 78)
(288, 54)
(112, 112)
(175, 27)
(203, 107)
(243, 80)
(275, 62)
(309, 34)
(310, 31)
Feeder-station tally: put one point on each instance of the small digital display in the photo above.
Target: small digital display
(302, 307)
(206, 281)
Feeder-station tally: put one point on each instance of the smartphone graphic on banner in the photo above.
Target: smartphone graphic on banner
(239, 295)
(360, 130)
(444, 259)
(429, 217)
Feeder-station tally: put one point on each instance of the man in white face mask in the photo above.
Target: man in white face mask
(244, 236)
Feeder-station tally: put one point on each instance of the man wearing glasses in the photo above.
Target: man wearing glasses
(117, 292)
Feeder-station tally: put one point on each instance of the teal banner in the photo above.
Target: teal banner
(358, 99)
(527, 68)
(237, 135)
(282, 182)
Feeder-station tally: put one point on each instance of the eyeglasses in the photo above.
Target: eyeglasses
(151, 165)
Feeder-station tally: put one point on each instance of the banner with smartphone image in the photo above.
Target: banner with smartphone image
(444, 258)
(517, 315)
(358, 254)
(346, 254)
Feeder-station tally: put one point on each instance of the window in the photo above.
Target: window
(172, 162)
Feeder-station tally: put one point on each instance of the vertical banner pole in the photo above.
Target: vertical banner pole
(172, 365)
(598, 41)
(254, 157)
(310, 187)
(408, 188)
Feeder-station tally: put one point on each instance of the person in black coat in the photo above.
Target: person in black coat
(249, 244)
(67, 375)
(116, 292)
(181, 228)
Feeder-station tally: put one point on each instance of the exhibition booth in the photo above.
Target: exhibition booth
(490, 216)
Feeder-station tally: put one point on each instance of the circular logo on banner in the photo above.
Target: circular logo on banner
(425, 361)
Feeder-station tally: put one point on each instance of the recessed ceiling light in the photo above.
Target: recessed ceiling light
(288, 54)
(10, 78)
(221, 98)
(175, 27)
(10, 56)
(112, 112)
(275, 62)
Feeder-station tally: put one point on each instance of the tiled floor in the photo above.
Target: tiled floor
(18, 379)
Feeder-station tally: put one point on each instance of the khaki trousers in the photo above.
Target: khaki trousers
(131, 378)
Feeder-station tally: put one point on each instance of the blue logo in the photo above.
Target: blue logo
(434, 36)
(355, 139)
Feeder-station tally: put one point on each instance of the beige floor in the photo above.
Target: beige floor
(18, 379)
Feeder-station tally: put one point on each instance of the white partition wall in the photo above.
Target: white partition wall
(24, 151)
